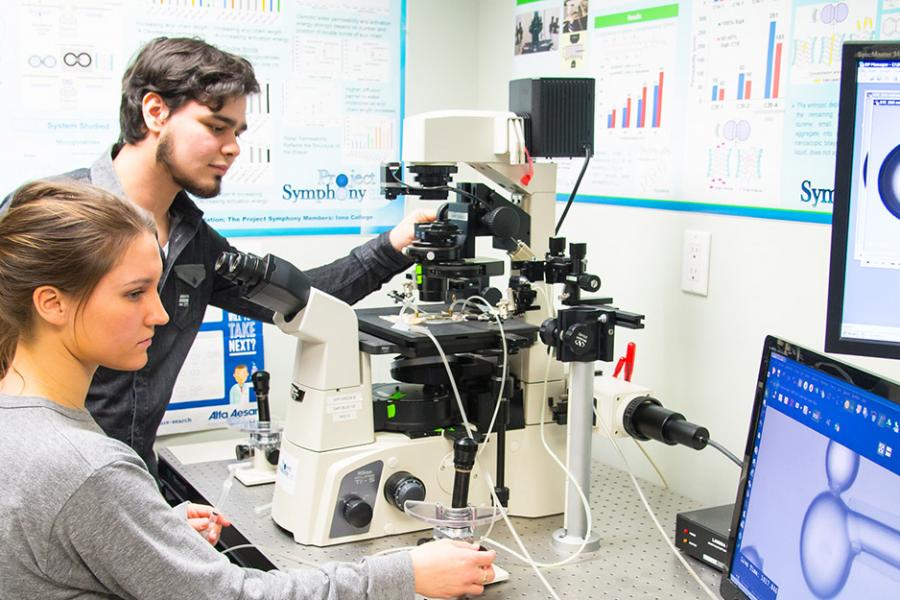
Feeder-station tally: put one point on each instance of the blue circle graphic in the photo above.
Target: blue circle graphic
(889, 182)
(342, 180)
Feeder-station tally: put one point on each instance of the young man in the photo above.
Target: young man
(183, 108)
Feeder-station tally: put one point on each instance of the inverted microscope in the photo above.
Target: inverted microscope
(359, 459)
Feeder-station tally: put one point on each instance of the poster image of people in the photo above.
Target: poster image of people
(537, 31)
(575, 15)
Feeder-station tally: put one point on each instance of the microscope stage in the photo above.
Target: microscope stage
(454, 336)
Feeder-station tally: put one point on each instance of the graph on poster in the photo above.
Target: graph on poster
(330, 100)
(721, 106)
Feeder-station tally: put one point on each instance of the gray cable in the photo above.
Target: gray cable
(726, 452)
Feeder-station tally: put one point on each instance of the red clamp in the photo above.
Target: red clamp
(626, 363)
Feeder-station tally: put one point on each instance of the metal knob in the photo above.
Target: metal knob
(579, 338)
(356, 511)
(503, 222)
(403, 486)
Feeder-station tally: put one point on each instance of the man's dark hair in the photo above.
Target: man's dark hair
(181, 70)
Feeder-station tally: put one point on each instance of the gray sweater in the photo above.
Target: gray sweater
(80, 517)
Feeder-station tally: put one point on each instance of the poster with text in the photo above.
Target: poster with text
(719, 106)
(328, 113)
(214, 387)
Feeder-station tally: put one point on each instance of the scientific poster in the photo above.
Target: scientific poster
(329, 111)
(721, 106)
(214, 388)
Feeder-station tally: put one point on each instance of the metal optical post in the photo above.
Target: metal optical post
(581, 419)
(581, 335)
(575, 336)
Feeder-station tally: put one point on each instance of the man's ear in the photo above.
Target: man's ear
(51, 305)
(155, 111)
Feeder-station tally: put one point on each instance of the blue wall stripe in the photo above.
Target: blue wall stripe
(700, 207)
(235, 233)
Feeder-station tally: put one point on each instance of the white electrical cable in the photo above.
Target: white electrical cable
(487, 479)
(527, 557)
(659, 474)
(440, 349)
(520, 135)
(655, 520)
(584, 501)
(544, 290)
(640, 447)
(569, 475)
(464, 302)
(504, 371)
(392, 550)
(453, 382)
(412, 306)
(493, 422)
(262, 509)
(223, 496)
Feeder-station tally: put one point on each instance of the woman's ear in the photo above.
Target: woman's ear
(51, 305)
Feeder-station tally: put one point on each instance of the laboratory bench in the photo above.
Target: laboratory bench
(633, 560)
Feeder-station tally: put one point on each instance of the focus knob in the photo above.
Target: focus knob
(403, 486)
(548, 332)
(242, 451)
(492, 295)
(589, 283)
(356, 511)
(502, 222)
(579, 338)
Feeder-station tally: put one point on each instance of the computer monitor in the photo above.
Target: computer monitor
(817, 514)
(864, 279)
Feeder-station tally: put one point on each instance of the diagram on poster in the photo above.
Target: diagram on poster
(722, 106)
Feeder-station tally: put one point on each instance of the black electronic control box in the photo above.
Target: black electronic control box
(703, 534)
(558, 113)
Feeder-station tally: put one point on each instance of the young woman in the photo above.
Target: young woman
(79, 514)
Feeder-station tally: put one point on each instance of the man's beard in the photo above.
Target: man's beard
(164, 157)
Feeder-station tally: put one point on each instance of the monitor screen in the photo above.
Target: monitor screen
(817, 514)
(864, 281)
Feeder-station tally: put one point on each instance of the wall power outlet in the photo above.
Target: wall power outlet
(695, 262)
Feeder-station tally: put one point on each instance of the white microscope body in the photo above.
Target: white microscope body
(338, 480)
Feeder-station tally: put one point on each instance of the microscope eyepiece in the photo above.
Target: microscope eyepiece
(242, 268)
(270, 282)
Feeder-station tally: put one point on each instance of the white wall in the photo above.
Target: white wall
(699, 355)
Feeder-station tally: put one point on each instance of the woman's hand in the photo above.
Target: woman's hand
(447, 569)
(205, 521)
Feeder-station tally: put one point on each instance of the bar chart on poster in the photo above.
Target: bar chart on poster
(329, 110)
(719, 106)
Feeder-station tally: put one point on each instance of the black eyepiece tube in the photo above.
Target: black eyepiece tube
(270, 282)
(464, 450)
(645, 418)
(260, 381)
